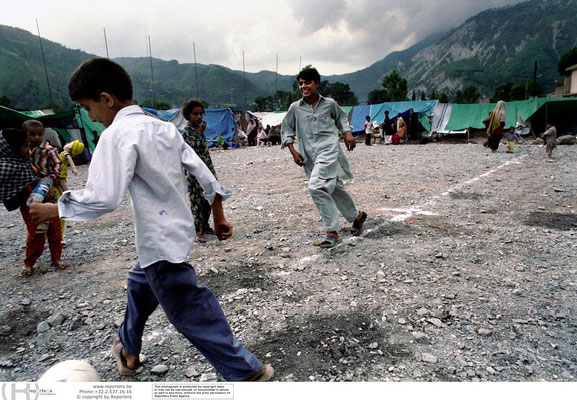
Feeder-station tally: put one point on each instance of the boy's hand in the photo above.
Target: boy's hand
(42, 212)
(74, 171)
(202, 127)
(350, 141)
(298, 158)
(223, 229)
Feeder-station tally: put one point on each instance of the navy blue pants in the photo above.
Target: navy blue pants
(192, 309)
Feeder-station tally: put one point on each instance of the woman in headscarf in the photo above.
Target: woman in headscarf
(401, 129)
(495, 124)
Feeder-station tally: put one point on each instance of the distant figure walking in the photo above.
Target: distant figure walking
(495, 124)
(368, 131)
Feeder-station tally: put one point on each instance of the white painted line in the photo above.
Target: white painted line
(406, 213)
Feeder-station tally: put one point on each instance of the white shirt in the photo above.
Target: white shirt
(368, 127)
(147, 157)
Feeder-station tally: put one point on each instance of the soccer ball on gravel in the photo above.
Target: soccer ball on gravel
(70, 371)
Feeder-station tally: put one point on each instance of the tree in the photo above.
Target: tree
(468, 95)
(567, 60)
(396, 86)
(158, 105)
(262, 103)
(423, 96)
(378, 96)
(523, 90)
(502, 92)
(341, 93)
(5, 101)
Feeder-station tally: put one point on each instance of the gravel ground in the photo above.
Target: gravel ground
(466, 272)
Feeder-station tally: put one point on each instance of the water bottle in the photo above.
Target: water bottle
(37, 196)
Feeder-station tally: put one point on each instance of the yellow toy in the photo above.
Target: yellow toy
(70, 149)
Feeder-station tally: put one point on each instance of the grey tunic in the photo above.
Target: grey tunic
(318, 136)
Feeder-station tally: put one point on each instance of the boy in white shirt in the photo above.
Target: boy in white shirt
(147, 157)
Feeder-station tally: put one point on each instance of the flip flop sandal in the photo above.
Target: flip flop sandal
(357, 228)
(61, 265)
(265, 374)
(26, 271)
(200, 238)
(328, 242)
(209, 231)
(121, 364)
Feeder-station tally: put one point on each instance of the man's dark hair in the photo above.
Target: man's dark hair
(188, 106)
(309, 74)
(30, 123)
(99, 75)
(15, 138)
(386, 112)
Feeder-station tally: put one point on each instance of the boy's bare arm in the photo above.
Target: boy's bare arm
(222, 227)
(42, 212)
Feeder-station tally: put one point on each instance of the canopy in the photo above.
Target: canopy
(270, 118)
(377, 112)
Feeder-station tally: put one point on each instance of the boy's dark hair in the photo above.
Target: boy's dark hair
(188, 105)
(99, 75)
(30, 123)
(368, 117)
(15, 138)
(386, 112)
(309, 74)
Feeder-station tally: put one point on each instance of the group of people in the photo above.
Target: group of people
(388, 131)
(257, 135)
(148, 157)
(495, 125)
(31, 168)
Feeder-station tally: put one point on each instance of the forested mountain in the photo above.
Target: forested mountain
(492, 48)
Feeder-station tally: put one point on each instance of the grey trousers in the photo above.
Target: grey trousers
(330, 196)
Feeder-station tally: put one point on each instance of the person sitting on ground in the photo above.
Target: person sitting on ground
(261, 137)
(316, 121)
(273, 137)
(193, 135)
(146, 156)
(401, 130)
(510, 138)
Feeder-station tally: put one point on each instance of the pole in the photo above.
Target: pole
(535, 80)
(45, 69)
(300, 62)
(151, 71)
(275, 83)
(106, 43)
(195, 69)
(244, 75)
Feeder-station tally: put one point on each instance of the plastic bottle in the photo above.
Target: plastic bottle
(37, 196)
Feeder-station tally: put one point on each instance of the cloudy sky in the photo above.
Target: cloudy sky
(336, 36)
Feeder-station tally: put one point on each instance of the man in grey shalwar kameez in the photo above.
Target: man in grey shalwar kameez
(317, 121)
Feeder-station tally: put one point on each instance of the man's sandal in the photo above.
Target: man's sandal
(357, 228)
(265, 374)
(26, 271)
(328, 242)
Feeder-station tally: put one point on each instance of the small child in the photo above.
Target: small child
(261, 136)
(70, 149)
(550, 138)
(510, 137)
(368, 131)
(45, 162)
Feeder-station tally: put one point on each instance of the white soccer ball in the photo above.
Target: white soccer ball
(70, 371)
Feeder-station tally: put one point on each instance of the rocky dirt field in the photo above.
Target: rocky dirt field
(465, 272)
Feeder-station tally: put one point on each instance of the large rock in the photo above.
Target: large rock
(567, 139)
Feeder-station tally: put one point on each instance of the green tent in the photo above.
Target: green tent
(536, 111)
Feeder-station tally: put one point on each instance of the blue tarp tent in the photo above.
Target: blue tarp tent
(377, 111)
(219, 121)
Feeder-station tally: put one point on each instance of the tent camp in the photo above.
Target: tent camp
(534, 113)
(415, 113)
(219, 122)
(70, 125)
